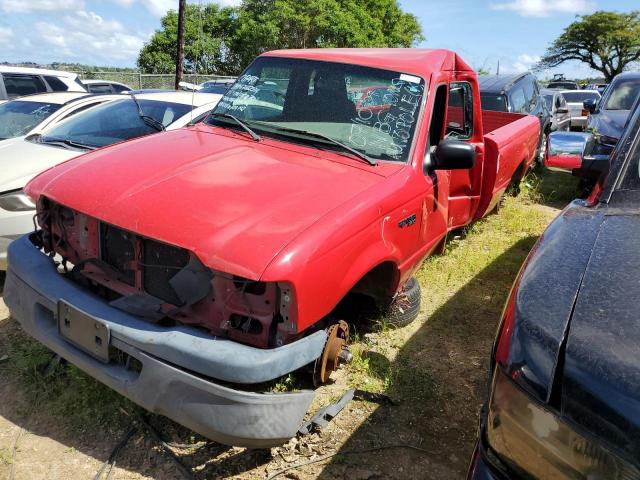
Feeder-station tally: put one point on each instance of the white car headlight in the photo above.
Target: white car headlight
(16, 201)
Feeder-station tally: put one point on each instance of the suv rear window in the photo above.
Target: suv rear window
(18, 85)
(56, 84)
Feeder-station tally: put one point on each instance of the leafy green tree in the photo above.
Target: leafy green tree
(606, 41)
(235, 36)
(205, 51)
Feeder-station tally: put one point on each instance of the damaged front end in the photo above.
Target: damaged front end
(163, 283)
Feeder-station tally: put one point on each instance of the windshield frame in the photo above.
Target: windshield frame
(254, 124)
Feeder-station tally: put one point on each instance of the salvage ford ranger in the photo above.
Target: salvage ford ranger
(181, 269)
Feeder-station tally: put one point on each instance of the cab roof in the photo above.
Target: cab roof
(417, 61)
(499, 83)
(37, 71)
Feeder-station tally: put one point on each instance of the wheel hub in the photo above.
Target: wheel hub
(335, 352)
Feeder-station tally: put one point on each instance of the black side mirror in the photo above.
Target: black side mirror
(590, 105)
(453, 154)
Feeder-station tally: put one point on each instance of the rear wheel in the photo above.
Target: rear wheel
(405, 306)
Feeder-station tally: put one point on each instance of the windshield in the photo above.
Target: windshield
(623, 94)
(579, 97)
(492, 101)
(114, 122)
(18, 118)
(369, 110)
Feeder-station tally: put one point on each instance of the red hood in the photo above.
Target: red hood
(232, 202)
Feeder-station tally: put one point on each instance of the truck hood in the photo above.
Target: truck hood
(601, 375)
(21, 160)
(233, 202)
(577, 324)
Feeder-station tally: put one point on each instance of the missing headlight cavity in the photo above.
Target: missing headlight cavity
(245, 324)
(249, 286)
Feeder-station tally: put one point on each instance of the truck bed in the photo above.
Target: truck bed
(511, 141)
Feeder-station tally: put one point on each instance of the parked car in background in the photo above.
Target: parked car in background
(246, 231)
(19, 81)
(599, 87)
(36, 113)
(556, 104)
(104, 86)
(565, 388)
(517, 94)
(607, 116)
(575, 102)
(120, 118)
(210, 86)
(564, 85)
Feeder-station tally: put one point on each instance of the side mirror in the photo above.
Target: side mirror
(566, 150)
(590, 105)
(453, 154)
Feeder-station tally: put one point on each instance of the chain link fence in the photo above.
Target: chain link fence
(137, 80)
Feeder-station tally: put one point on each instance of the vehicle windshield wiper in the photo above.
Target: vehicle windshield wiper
(152, 122)
(65, 142)
(238, 122)
(327, 139)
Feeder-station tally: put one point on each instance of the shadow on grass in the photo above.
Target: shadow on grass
(553, 189)
(439, 377)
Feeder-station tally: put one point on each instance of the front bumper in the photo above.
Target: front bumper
(178, 363)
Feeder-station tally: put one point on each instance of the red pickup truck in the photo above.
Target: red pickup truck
(183, 268)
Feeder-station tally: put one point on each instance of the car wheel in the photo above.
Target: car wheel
(405, 306)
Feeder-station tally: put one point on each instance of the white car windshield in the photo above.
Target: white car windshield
(331, 105)
(114, 122)
(18, 117)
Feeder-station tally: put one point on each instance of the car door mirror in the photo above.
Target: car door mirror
(566, 150)
(452, 154)
(590, 105)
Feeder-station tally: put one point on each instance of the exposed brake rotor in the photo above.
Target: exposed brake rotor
(335, 351)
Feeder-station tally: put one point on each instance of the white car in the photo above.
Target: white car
(19, 81)
(36, 113)
(105, 86)
(118, 120)
(574, 100)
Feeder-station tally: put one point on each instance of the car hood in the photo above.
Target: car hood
(235, 203)
(21, 160)
(577, 329)
(601, 376)
(609, 122)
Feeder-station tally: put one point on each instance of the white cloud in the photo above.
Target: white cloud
(544, 8)
(83, 34)
(158, 8)
(5, 34)
(523, 63)
(26, 6)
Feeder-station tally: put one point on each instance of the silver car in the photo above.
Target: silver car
(557, 105)
(575, 99)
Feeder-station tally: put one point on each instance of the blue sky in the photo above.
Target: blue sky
(111, 32)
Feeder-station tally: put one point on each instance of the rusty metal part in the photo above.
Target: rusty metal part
(334, 352)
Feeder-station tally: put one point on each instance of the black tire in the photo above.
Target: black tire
(405, 307)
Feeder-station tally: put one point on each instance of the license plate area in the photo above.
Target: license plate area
(85, 332)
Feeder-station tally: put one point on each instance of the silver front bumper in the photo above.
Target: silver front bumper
(226, 415)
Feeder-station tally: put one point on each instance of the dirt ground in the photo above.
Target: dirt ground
(434, 370)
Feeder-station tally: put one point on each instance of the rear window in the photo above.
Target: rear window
(493, 102)
(20, 85)
(99, 88)
(564, 85)
(56, 84)
(578, 96)
(18, 118)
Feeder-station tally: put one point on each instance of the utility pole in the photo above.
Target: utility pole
(182, 6)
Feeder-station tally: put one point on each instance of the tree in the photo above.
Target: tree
(204, 52)
(235, 36)
(606, 41)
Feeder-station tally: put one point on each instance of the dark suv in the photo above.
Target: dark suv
(517, 94)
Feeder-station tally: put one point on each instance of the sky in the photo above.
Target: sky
(111, 32)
